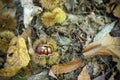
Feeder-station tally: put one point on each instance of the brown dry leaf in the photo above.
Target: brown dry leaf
(116, 11)
(110, 6)
(107, 45)
(101, 77)
(26, 33)
(118, 63)
(84, 74)
(17, 57)
(113, 7)
(66, 67)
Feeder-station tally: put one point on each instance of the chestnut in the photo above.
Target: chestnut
(41, 49)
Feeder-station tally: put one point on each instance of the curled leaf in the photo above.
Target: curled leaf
(66, 67)
(17, 57)
(9, 71)
(107, 45)
(84, 74)
(107, 28)
(5, 38)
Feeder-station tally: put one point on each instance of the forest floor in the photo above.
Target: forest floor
(67, 40)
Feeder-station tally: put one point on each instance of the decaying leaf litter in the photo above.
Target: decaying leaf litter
(60, 40)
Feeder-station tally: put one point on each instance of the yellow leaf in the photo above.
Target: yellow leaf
(9, 71)
(17, 57)
(84, 74)
(107, 45)
(66, 67)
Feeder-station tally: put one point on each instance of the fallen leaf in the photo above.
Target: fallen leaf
(107, 45)
(107, 28)
(118, 63)
(52, 74)
(113, 76)
(110, 6)
(39, 76)
(101, 77)
(116, 11)
(63, 40)
(17, 53)
(84, 74)
(113, 7)
(17, 57)
(9, 71)
(26, 33)
(66, 67)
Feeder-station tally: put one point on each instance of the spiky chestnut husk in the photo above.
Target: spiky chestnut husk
(7, 22)
(49, 4)
(56, 16)
(53, 58)
(60, 15)
(44, 59)
(5, 38)
(48, 19)
(45, 41)
(1, 5)
(7, 1)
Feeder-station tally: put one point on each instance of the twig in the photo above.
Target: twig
(29, 11)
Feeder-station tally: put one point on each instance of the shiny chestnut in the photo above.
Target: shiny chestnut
(44, 50)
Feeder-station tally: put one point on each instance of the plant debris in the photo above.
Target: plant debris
(59, 39)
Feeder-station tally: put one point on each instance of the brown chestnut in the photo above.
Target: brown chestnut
(41, 49)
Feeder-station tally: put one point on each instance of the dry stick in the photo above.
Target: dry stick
(29, 11)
